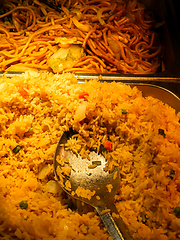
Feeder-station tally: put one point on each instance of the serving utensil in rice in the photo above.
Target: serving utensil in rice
(89, 182)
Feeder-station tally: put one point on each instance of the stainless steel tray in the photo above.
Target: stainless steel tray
(172, 84)
(165, 12)
(169, 95)
(163, 94)
(165, 89)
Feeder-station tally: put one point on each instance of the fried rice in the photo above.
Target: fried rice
(35, 109)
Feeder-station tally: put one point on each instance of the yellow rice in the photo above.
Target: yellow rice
(109, 187)
(105, 211)
(34, 111)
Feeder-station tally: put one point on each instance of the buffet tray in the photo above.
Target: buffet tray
(172, 84)
(166, 90)
(166, 12)
(166, 16)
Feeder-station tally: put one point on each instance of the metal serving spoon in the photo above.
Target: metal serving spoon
(93, 180)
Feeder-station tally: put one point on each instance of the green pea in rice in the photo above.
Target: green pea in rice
(34, 121)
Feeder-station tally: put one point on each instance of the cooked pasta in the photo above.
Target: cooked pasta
(113, 37)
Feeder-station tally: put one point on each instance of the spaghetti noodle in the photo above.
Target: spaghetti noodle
(116, 38)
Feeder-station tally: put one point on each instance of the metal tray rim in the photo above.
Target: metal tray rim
(156, 91)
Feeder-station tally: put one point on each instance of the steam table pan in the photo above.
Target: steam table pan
(165, 95)
(170, 95)
(166, 15)
(169, 33)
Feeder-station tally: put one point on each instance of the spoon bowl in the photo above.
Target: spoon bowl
(87, 179)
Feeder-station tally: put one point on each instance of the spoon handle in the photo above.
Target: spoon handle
(116, 228)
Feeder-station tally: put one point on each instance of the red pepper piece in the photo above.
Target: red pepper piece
(83, 95)
(108, 145)
(23, 90)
